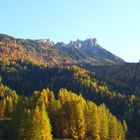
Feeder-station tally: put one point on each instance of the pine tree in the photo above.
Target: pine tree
(34, 124)
(104, 122)
(96, 125)
(8, 106)
(24, 126)
(45, 125)
(113, 128)
(2, 108)
(79, 118)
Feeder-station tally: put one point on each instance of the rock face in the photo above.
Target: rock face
(88, 51)
(45, 51)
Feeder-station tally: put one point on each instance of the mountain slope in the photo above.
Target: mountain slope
(88, 51)
(124, 78)
(45, 52)
(25, 78)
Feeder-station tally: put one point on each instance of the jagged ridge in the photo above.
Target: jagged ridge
(46, 52)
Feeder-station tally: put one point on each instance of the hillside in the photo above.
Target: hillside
(46, 52)
(121, 78)
(26, 78)
(68, 116)
(100, 79)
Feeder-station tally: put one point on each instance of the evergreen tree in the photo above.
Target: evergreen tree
(2, 108)
(45, 124)
(104, 122)
(113, 128)
(79, 119)
(24, 126)
(8, 106)
(96, 125)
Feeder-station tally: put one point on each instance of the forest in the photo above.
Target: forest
(42, 116)
(67, 102)
(45, 96)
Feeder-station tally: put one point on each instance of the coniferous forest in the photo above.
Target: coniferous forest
(68, 102)
(45, 101)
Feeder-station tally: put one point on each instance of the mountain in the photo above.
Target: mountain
(23, 69)
(46, 52)
(88, 52)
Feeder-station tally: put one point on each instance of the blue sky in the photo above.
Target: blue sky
(115, 23)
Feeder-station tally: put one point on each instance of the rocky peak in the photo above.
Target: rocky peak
(60, 44)
(79, 44)
(91, 41)
(88, 43)
(46, 41)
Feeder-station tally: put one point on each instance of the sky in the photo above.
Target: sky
(115, 23)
